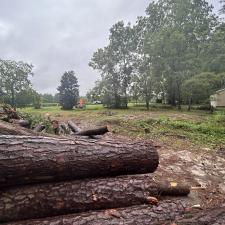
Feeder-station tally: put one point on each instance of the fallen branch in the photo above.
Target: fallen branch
(73, 127)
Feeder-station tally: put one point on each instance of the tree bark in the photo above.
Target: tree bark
(92, 132)
(25, 159)
(135, 215)
(215, 216)
(13, 129)
(44, 200)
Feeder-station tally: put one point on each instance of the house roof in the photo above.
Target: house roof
(221, 90)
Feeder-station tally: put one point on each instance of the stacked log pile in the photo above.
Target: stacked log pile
(12, 123)
(46, 180)
(83, 180)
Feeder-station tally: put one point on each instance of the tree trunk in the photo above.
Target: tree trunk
(13, 98)
(179, 94)
(147, 102)
(189, 103)
(13, 129)
(135, 215)
(26, 159)
(91, 132)
(54, 199)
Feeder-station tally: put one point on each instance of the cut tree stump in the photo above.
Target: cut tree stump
(44, 200)
(135, 215)
(26, 159)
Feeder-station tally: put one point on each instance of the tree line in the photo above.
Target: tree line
(16, 88)
(174, 54)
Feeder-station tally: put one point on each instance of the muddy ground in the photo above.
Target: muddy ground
(195, 165)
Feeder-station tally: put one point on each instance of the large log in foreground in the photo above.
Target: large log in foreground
(39, 201)
(25, 159)
(135, 215)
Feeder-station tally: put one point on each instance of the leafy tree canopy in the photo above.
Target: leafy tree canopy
(14, 78)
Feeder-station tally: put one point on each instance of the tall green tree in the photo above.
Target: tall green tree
(47, 98)
(114, 61)
(104, 61)
(199, 88)
(223, 6)
(14, 78)
(24, 98)
(36, 101)
(213, 55)
(175, 48)
(68, 90)
(97, 93)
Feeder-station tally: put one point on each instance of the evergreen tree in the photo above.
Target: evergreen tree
(68, 90)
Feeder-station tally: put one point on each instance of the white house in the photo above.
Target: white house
(218, 99)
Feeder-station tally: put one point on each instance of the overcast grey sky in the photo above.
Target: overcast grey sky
(60, 35)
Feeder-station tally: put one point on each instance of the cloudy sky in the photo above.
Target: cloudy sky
(60, 35)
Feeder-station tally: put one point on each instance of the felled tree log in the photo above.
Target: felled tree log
(22, 123)
(54, 199)
(73, 127)
(26, 159)
(135, 215)
(13, 129)
(92, 132)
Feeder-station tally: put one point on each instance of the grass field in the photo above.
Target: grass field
(165, 124)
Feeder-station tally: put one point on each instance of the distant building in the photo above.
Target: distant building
(218, 99)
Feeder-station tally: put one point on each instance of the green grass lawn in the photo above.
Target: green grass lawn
(200, 127)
